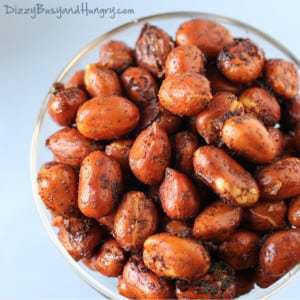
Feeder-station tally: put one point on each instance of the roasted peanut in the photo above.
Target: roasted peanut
(119, 150)
(108, 220)
(168, 122)
(152, 49)
(294, 110)
(138, 282)
(261, 104)
(265, 216)
(294, 212)
(241, 61)
(218, 283)
(101, 82)
(63, 105)
(175, 257)
(179, 197)
(110, 259)
(185, 94)
(283, 77)
(209, 122)
(225, 176)
(185, 145)
(79, 236)
(77, 80)
(115, 55)
(217, 221)
(184, 59)
(281, 179)
(107, 118)
(57, 184)
(150, 154)
(69, 146)
(208, 36)
(100, 185)
(280, 252)
(219, 83)
(139, 85)
(136, 219)
(240, 250)
(264, 280)
(178, 228)
(281, 141)
(247, 136)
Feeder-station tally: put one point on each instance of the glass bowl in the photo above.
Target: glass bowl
(129, 33)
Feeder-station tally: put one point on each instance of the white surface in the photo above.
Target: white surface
(32, 52)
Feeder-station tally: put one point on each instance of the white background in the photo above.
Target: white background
(32, 52)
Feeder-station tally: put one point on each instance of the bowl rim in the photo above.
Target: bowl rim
(42, 112)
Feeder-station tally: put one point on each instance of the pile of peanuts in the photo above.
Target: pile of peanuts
(177, 170)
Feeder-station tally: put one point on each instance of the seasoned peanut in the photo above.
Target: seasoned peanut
(185, 94)
(152, 49)
(79, 236)
(107, 118)
(101, 82)
(265, 216)
(247, 136)
(208, 36)
(184, 59)
(225, 176)
(185, 145)
(281, 179)
(283, 77)
(69, 146)
(175, 257)
(179, 197)
(294, 212)
(218, 283)
(63, 105)
(100, 185)
(261, 104)
(178, 228)
(241, 61)
(280, 252)
(209, 123)
(140, 283)
(139, 85)
(110, 259)
(57, 184)
(150, 154)
(240, 251)
(217, 221)
(135, 220)
(115, 55)
(119, 150)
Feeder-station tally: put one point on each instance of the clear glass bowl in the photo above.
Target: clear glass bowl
(129, 33)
